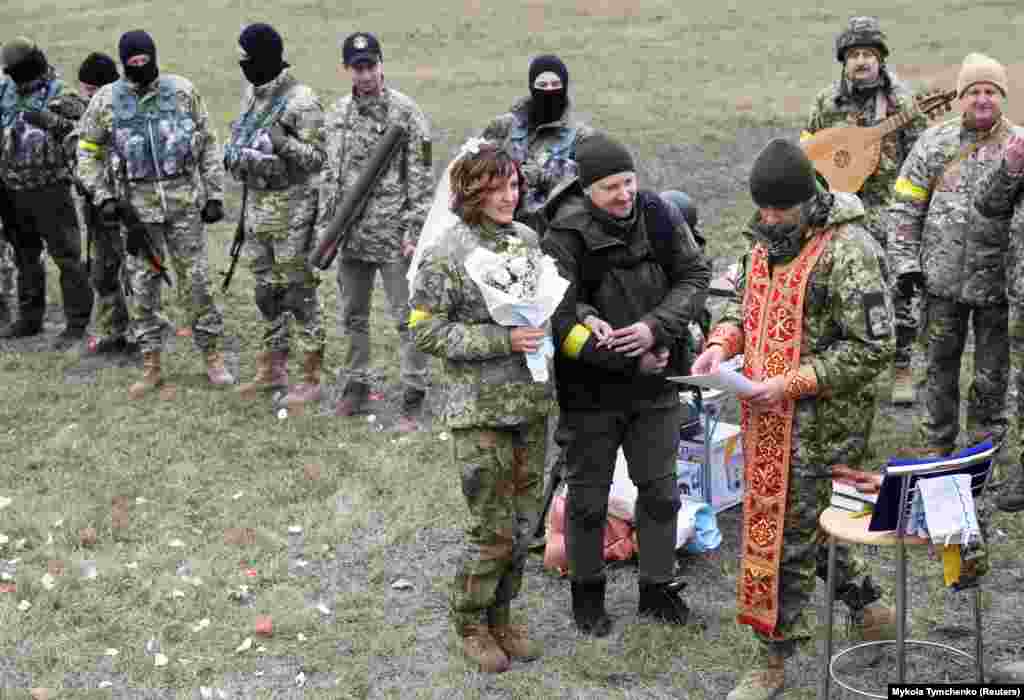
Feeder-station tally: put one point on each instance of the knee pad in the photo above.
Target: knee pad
(660, 499)
(266, 300)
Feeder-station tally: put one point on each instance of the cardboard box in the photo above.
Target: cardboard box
(721, 468)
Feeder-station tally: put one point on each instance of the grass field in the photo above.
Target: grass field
(191, 499)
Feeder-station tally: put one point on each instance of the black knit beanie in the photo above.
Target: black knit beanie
(98, 69)
(599, 156)
(782, 176)
(549, 62)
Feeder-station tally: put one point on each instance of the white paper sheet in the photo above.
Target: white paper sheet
(724, 380)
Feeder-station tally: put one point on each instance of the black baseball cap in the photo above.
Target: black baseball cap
(361, 47)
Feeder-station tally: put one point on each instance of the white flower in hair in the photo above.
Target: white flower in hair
(471, 147)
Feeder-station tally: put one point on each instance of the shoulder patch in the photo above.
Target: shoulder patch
(877, 316)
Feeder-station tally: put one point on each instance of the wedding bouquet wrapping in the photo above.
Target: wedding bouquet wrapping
(521, 287)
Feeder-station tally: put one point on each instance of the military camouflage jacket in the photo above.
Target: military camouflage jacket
(546, 153)
(108, 157)
(1000, 197)
(283, 186)
(935, 226)
(486, 383)
(32, 157)
(832, 107)
(847, 339)
(399, 204)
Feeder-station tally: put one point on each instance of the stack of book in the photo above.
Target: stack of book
(847, 497)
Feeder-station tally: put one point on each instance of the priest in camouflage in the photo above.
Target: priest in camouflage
(385, 235)
(277, 150)
(866, 93)
(814, 353)
(939, 241)
(146, 139)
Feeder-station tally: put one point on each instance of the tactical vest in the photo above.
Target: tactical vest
(250, 132)
(152, 138)
(556, 161)
(27, 147)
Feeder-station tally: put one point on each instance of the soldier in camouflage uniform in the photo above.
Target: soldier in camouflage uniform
(867, 93)
(541, 134)
(493, 407)
(636, 281)
(8, 278)
(384, 237)
(277, 150)
(1001, 197)
(824, 394)
(146, 139)
(110, 321)
(36, 114)
(939, 240)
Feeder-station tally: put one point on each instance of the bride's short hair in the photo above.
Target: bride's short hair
(473, 175)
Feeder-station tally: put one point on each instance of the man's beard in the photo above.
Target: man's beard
(784, 241)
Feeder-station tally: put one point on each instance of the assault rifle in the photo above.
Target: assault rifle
(138, 239)
(353, 203)
(238, 243)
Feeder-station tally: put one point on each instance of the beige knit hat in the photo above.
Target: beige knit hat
(979, 68)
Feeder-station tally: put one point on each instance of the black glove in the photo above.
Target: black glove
(277, 137)
(135, 239)
(43, 119)
(109, 215)
(908, 282)
(213, 211)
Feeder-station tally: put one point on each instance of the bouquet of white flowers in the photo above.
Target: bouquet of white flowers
(521, 287)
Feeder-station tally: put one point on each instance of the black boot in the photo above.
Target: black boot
(588, 607)
(662, 601)
(22, 328)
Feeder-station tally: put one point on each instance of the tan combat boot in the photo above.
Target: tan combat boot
(480, 647)
(902, 386)
(216, 372)
(512, 639)
(271, 373)
(151, 378)
(309, 390)
(763, 682)
(873, 623)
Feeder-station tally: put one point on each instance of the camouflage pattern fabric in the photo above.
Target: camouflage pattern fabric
(8, 274)
(107, 167)
(399, 204)
(32, 158)
(110, 317)
(282, 204)
(546, 153)
(501, 477)
(835, 106)
(935, 226)
(486, 384)
(847, 338)
(946, 326)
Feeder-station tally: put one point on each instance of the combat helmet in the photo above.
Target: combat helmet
(861, 31)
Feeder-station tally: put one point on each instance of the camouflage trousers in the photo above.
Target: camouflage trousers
(1016, 334)
(286, 288)
(110, 315)
(805, 558)
(501, 475)
(946, 326)
(8, 274)
(355, 289)
(906, 311)
(183, 241)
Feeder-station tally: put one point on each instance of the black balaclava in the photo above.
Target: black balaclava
(547, 106)
(32, 67)
(98, 69)
(265, 49)
(134, 43)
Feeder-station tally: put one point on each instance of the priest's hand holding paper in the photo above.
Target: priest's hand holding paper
(526, 338)
(768, 393)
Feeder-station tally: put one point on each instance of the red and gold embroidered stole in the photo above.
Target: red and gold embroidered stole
(772, 328)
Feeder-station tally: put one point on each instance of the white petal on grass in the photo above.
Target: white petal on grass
(48, 582)
(140, 500)
(246, 645)
(205, 693)
(5, 501)
(112, 652)
(237, 495)
(322, 607)
(177, 593)
(4, 539)
(402, 584)
(24, 606)
(20, 544)
(300, 679)
(132, 565)
(201, 625)
(177, 544)
(301, 637)
(159, 660)
(261, 648)
(105, 684)
(58, 523)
